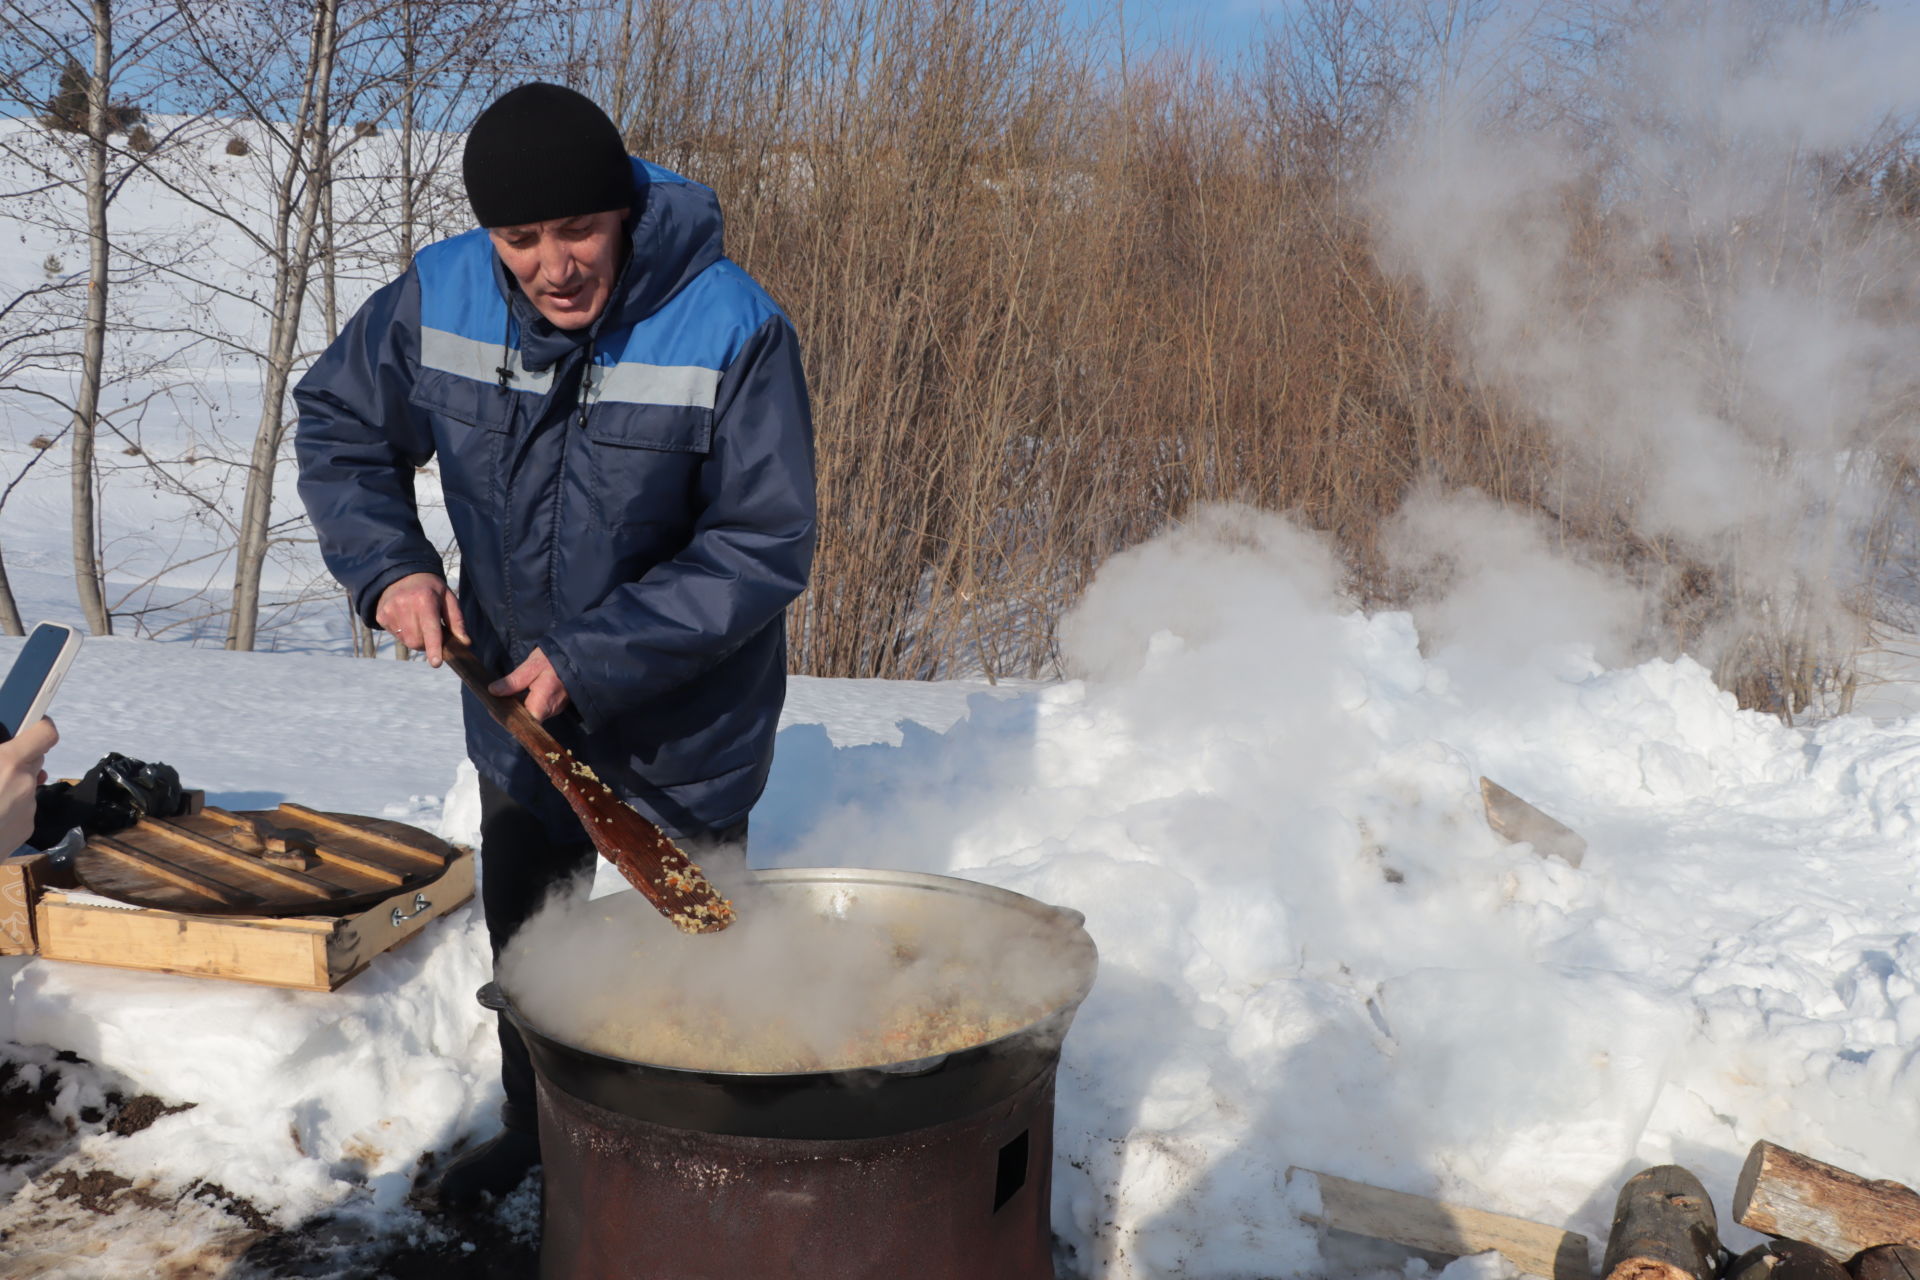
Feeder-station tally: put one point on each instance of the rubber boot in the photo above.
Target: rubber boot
(494, 1168)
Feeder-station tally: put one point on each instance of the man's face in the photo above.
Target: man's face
(567, 266)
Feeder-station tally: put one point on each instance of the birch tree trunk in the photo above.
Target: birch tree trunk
(409, 93)
(409, 97)
(86, 411)
(294, 235)
(329, 265)
(9, 610)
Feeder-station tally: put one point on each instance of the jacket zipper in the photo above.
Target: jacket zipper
(560, 487)
(504, 459)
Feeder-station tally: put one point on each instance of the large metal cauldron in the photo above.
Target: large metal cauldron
(938, 1169)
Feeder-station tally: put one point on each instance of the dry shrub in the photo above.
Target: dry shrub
(1047, 307)
(1045, 311)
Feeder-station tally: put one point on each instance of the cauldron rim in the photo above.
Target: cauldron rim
(1078, 947)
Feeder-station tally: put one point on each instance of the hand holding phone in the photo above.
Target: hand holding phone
(28, 689)
(21, 773)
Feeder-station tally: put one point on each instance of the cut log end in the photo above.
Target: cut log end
(1750, 1172)
(1886, 1262)
(1664, 1228)
(1785, 1260)
(1648, 1269)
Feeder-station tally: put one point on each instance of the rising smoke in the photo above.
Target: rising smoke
(807, 980)
(1662, 234)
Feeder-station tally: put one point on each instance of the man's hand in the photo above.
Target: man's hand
(21, 772)
(414, 609)
(546, 696)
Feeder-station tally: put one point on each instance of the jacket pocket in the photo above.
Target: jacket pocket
(469, 422)
(643, 463)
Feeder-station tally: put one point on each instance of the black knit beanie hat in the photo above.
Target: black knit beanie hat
(543, 151)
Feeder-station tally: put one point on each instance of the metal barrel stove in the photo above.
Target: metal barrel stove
(937, 1169)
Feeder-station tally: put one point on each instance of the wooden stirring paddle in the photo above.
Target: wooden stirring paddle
(651, 862)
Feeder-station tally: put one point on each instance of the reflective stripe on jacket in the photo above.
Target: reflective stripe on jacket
(645, 524)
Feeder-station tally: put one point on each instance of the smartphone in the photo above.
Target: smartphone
(35, 674)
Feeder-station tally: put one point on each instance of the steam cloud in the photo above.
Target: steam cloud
(1682, 272)
(792, 986)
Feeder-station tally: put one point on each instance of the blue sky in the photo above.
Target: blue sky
(1224, 25)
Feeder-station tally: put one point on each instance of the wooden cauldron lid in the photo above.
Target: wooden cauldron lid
(289, 861)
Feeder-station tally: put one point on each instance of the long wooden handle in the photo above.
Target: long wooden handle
(651, 862)
(511, 713)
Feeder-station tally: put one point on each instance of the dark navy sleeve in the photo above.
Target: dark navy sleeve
(359, 442)
(749, 555)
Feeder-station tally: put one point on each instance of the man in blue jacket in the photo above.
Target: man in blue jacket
(621, 428)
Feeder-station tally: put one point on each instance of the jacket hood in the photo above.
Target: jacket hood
(674, 236)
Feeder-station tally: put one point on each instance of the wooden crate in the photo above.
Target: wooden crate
(21, 879)
(310, 953)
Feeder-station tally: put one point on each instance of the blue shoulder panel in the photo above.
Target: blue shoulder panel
(458, 294)
(673, 357)
(651, 172)
(706, 324)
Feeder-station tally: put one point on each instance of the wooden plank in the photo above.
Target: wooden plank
(287, 924)
(1664, 1228)
(154, 865)
(1783, 1193)
(1421, 1223)
(358, 865)
(168, 942)
(352, 862)
(361, 937)
(1516, 821)
(412, 853)
(21, 878)
(285, 877)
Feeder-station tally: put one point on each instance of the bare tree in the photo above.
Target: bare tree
(43, 38)
(310, 120)
(23, 326)
(86, 560)
(303, 183)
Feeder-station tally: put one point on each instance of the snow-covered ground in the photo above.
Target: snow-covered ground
(1313, 951)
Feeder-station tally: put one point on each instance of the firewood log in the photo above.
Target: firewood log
(1663, 1229)
(1515, 821)
(1783, 1193)
(1454, 1230)
(1886, 1262)
(1786, 1260)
